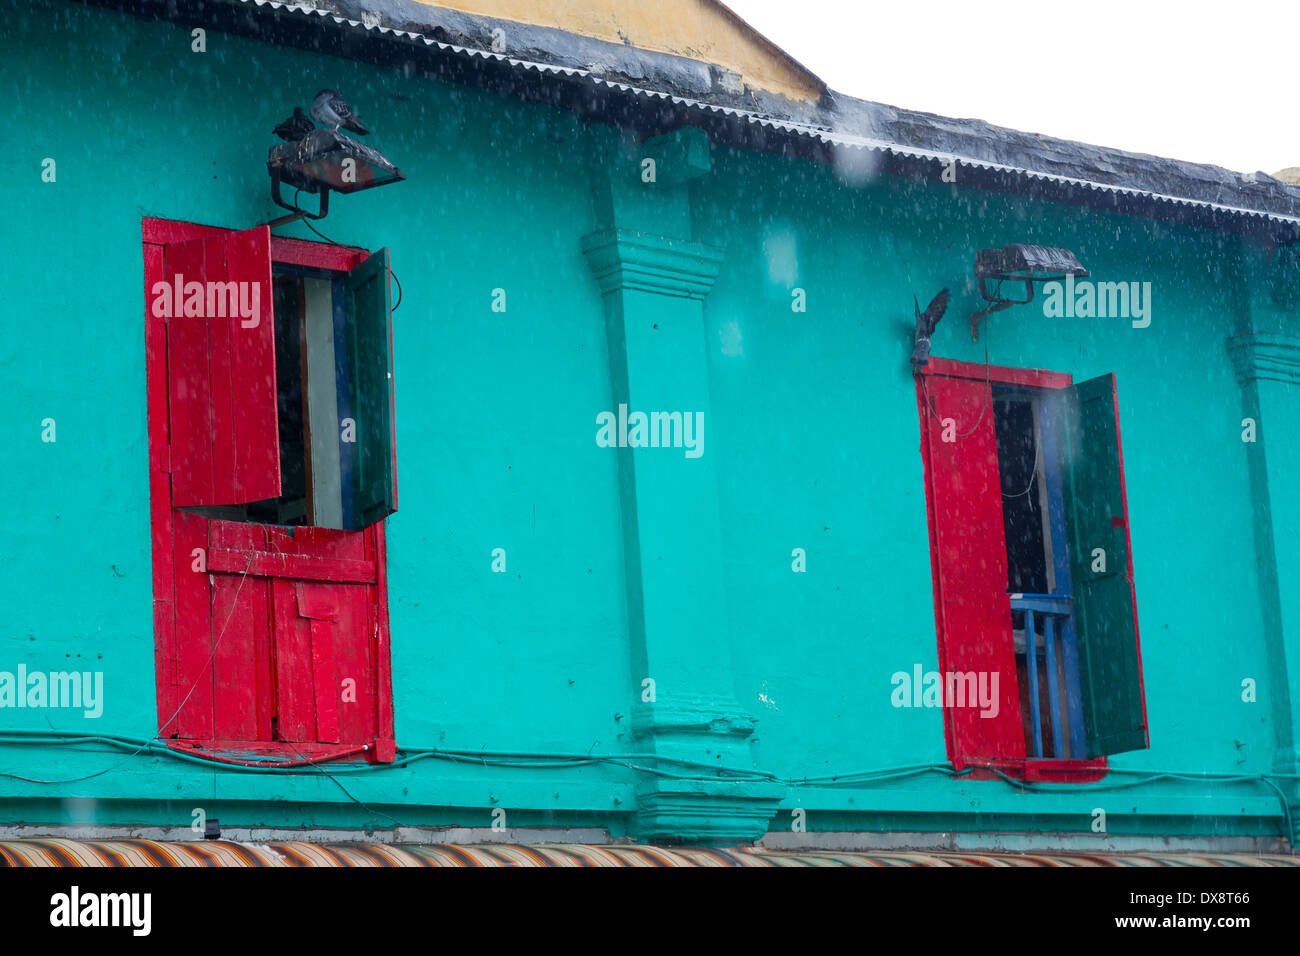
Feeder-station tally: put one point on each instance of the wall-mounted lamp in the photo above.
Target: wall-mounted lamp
(1019, 263)
(325, 160)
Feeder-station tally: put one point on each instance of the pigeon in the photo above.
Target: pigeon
(331, 109)
(295, 127)
(925, 323)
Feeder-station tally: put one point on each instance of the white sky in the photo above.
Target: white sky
(1194, 80)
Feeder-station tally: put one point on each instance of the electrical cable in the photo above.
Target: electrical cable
(234, 603)
(518, 759)
(347, 793)
(1033, 477)
(632, 762)
(307, 222)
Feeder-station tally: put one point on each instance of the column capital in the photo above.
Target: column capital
(626, 259)
(692, 714)
(1257, 355)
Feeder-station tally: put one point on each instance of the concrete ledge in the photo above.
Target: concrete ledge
(402, 835)
(1020, 842)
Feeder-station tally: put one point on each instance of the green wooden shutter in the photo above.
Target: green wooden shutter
(1105, 608)
(369, 308)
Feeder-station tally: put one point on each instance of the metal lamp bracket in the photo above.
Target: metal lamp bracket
(322, 209)
(998, 303)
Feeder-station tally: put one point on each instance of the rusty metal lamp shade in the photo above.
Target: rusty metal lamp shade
(325, 160)
(1020, 263)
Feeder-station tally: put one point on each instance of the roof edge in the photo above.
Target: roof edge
(1019, 162)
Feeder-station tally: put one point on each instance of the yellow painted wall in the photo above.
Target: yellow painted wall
(699, 29)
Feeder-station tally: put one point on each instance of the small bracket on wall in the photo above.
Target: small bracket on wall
(296, 213)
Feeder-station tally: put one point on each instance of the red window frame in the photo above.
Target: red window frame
(156, 235)
(1017, 764)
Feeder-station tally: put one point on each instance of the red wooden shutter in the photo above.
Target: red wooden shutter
(1105, 605)
(225, 444)
(970, 557)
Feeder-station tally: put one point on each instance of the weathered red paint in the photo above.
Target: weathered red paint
(317, 255)
(968, 564)
(164, 611)
(965, 499)
(308, 567)
(1005, 375)
(386, 745)
(252, 649)
(225, 445)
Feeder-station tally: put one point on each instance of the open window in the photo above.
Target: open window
(1030, 466)
(283, 418)
(271, 459)
(1032, 571)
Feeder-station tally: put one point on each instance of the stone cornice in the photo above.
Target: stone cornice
(707, 809)
(1263, 356)
(625, 259)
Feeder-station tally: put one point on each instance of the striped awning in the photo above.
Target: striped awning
(118, 853)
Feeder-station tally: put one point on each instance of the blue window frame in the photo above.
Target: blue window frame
(1038, 569)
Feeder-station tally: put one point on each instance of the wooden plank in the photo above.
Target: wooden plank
(316, 255)
(325, 681)
(301, 252)
(261, 678)
(235, 610)
(323, 605)
(253, 386)
(353, 660)
(189, 388)
(164, 231)
(256, 691)
(164, 637)
(385, 736)
(225, 381)
(1034, 377)
(234, 656)
(160, 524)
(1053, 690)
(193, 692)
(318, 542)
(327, 542)
(298, 566)
(1031, 669)
(295, 695)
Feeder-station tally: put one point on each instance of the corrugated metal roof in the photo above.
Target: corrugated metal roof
(823, 134)
(55, 852)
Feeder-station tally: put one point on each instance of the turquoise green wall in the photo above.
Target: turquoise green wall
(821, 451)
(812, 438)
